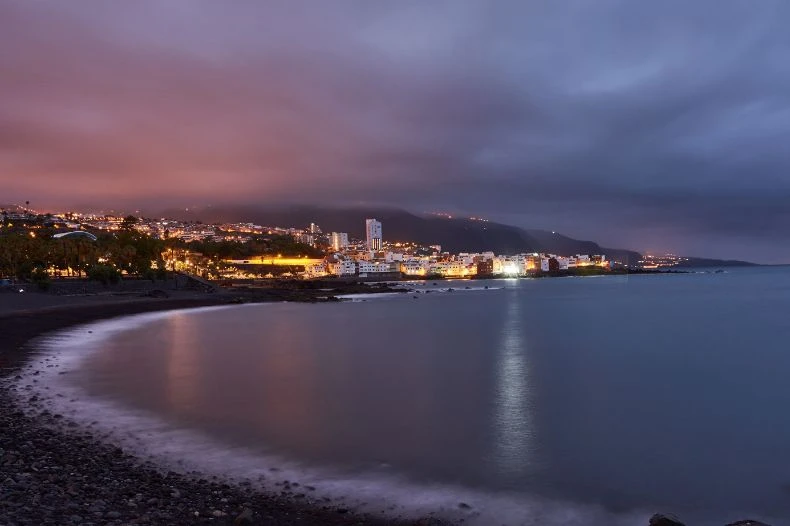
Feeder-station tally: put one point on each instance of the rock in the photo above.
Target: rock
(156, 293)
(113, 515)
(244, 518)
(218, 513)
(747, 522)
(664, 520)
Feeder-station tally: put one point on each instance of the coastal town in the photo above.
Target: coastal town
(52, 245)
(354, 263)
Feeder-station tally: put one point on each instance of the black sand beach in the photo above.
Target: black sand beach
(52, 474)
(55, 474)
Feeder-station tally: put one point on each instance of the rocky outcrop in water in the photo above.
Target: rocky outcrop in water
(664, 520)
(670, 520)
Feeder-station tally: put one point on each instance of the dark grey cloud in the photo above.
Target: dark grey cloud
(652, 125)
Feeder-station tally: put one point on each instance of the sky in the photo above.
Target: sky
(657, 126)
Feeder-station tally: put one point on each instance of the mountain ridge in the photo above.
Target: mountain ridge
(453, 234)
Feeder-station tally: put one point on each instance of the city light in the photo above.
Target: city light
(330, 253)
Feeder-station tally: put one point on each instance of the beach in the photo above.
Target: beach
(54, 471)
(51, 473)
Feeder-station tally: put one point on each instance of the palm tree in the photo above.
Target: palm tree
(13, 252)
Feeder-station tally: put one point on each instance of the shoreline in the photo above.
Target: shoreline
(52, 475)
(55, 474)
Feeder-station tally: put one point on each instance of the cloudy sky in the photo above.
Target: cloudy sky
(649, 125)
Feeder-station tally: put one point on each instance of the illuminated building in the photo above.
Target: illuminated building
(75, 234)
(373, 234)
(315, 270)
(306, 239)
(365, 268)
(453, 269)
(485, 267)
(415, 267)
(345, 267)
(339, 241)
(532, 263)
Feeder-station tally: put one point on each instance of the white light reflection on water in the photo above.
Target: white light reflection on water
(513, 421)
(183, 369)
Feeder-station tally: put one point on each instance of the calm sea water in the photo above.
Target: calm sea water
(626, 395)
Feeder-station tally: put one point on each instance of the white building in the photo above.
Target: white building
(345, 267)
(453, 268)
(545, 262)
(315, 270)
(373, 267)
(415, 267)
(373, 234)
(339, 241)
(467, 258)
(507, 265)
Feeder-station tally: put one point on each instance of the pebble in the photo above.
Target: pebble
(53, 474)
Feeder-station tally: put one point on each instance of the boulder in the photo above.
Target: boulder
(747, 522)
(244, 518)
(664, 520)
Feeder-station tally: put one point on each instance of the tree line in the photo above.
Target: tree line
(28, 251)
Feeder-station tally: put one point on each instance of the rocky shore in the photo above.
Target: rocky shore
(51, 474)
(52, 477)
(47, 477)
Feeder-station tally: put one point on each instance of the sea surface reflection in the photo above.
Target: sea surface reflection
(644, 392)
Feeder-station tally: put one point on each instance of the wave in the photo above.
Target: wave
(360, 296)
(456, 289)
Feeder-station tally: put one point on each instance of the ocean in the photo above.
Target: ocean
(588, 401)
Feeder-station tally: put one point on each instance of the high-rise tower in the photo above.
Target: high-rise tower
(339, 241)
(373, 234)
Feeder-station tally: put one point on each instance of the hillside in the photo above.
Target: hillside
(454, 235)
(707, 262)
